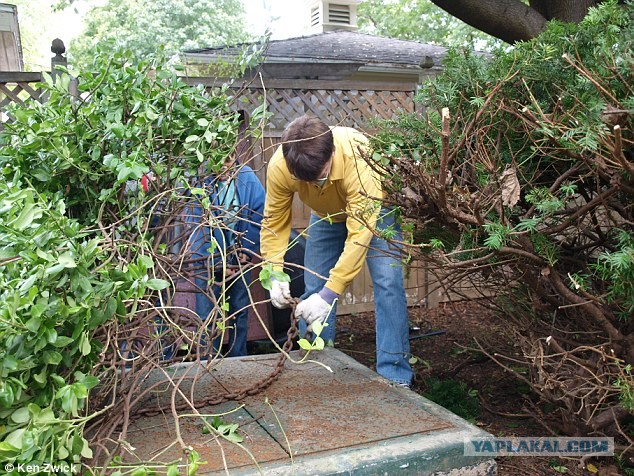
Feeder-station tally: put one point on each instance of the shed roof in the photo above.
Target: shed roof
(341, 46)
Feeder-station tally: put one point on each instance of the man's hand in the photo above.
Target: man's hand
(315, 308)
(280, 294)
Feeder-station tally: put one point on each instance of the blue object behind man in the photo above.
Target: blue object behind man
(224, 238)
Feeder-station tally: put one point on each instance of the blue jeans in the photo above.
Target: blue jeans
(239, 304)
(324, 245)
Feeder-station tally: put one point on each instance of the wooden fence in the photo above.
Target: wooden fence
(17, 88)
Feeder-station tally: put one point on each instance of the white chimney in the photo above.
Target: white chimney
(330, 15)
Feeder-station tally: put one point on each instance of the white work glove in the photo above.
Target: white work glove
(313, 309)
(280, 294)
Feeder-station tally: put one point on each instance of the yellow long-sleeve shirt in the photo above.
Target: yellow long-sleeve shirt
(345, 195)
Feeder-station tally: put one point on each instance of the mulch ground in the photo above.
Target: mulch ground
(446, 344)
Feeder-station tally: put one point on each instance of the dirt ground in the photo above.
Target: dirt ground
(451, 353)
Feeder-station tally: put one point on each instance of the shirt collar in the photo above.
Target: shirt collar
(336, 169)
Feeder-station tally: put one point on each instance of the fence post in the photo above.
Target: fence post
(57, 47)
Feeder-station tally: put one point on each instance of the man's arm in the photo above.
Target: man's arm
(360, 185)
(276, 225)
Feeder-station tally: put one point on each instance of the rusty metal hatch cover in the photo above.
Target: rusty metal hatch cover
(309, 412)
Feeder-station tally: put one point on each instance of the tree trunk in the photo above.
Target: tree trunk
(512, 20)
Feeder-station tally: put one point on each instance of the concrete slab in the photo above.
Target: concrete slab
(309, 421)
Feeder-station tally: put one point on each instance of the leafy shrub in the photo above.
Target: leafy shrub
(519, 177)
(52, 302)
(79, 263)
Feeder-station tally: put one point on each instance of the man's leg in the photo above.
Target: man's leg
(392, 327)
(323, 247)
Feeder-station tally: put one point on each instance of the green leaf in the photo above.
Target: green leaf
(304, 344)
(234, 437)
(86, 452)
(51, 357)
(80, 390)
(151, 115)
(172, 470)
(118, 130)
(45, 417)
(51, 335)
(54, 269)
(69, 401)
(38, 309)
(7, 451)
(28, 283)
(202, 122)
(89, 381)
(7, 396)
(48, 79)
(66, 259)
(10, 362)
(147, 261)
(62, 453)
(560, 469)
(42, 377)
(157, 284)
(33, 324)
(84, 284)
(319, 343)
(15, 438)
(21, 415)
(192, 469)
(317, 327)
(281, 276)
(84, 344)
(26, 217)
(63, 341)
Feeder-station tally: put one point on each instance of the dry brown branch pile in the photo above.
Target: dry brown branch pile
(504, 201)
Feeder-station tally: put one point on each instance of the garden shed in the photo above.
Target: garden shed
(10, 45)
(337, 74)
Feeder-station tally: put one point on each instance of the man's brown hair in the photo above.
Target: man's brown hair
(307, 144)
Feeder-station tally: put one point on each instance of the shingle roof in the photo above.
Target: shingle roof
(347, 46)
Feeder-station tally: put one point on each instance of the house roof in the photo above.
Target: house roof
(341, 46)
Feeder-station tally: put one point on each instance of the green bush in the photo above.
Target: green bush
(519, 175)
(77, 258)
(52, 302)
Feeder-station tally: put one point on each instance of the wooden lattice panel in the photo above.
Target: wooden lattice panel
(11, 93)
(346, 107)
